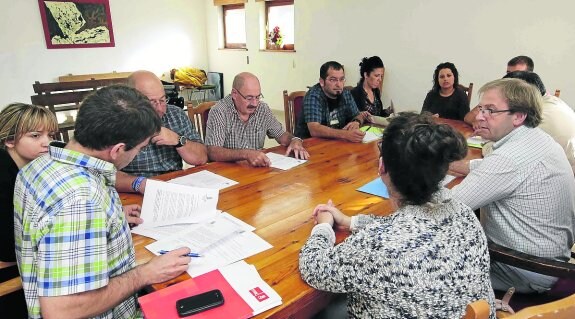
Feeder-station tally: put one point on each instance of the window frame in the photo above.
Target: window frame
(278, 3)
(225, 8)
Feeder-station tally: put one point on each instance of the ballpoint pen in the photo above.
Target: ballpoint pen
(161, 252)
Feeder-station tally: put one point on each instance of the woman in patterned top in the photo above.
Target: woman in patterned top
(367, 94)
(428, 259)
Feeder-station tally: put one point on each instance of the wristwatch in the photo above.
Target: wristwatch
(358, 121)
(181, 141)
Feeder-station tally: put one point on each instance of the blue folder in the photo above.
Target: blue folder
(375, 187)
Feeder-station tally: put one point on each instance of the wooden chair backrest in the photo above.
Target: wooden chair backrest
(94, 76)
(468, 90)
(67, 96)
(560, 309)
(477, 310)
(199, 116)
(293, 107)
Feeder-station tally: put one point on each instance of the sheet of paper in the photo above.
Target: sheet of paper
(375, 187)
(248, 283)
(476, 141)
(205, 179)
(370, 137)
(231, 249)
(167, 231)
(284, 162)
(167, 203)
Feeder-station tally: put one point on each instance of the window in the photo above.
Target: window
(234, 26)
(280, 14)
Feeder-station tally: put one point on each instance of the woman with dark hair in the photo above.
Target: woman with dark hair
(429, 258)
(446, 99)
(367, 93)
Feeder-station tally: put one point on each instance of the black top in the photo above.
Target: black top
(452, 107)
(363, 103)
(8, 172)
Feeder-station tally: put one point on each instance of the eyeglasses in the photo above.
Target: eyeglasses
(335, 80)
(251, 98)
(160, 101)
(490, 112)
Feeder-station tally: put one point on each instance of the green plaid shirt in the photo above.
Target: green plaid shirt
(71, 233)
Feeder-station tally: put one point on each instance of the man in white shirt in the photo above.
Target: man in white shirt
(557, 118)
(525, 187)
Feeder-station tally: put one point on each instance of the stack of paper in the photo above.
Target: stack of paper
(220, 241)
(245, 294)
(371, 133)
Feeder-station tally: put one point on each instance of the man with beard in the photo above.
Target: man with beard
(329, 111)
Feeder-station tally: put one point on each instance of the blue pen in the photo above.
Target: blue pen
(161, 252)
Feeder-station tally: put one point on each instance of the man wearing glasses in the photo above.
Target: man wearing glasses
(329, 110)
(238, 124)
(524, 187)
(177, 141)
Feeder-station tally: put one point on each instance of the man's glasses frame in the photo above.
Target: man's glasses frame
(490, 112)
(251, 98)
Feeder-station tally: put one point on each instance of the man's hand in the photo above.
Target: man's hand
(132, 213)
(165, 267)
(355, 136)
(166, 137)
(339, 219)
(353, 125)
(299, 151)
(257, 158)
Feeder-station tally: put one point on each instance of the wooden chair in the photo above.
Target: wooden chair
(67, 96)
(561, 309)
(468, 90)
(293, 107)
(199, 116)
(477, 310)
(557, 92)
(564, 287)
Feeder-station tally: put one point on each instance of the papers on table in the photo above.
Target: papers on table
(476, 141)
(379, 120)
(205, 179)
(284, 162)
(220, 241)
(371, 133)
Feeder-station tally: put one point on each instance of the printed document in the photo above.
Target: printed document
(204, 179)
(284, 162)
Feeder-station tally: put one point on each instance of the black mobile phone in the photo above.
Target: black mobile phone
(198, 303)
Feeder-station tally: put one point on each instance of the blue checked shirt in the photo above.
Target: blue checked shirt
(316, 109)
(158, 159)
(70, 229)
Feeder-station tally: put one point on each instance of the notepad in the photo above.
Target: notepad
(476, 141)
(375, 187)
(371, 133)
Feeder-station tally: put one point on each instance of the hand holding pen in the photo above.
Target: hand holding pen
(162, 252)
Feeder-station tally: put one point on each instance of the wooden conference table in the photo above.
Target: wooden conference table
(279, 205)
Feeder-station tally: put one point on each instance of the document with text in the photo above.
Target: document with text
(167, 203)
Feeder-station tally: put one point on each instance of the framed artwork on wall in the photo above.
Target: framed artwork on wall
(76, 23)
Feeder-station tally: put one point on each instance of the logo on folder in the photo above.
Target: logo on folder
(259, 294)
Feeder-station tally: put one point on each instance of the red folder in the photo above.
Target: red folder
(162, 303)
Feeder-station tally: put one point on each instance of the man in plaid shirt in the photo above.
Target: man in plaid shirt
(178, 140)
(329, 111)
(73, 243)
(239, 123)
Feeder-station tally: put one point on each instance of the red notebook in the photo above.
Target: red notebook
(162, 303)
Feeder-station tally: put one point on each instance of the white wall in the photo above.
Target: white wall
(411, 37)
(149, 34)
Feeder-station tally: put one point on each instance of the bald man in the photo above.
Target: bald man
(238, 124)
(177, 141)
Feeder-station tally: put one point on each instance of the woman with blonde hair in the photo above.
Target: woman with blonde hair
(25, 132)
